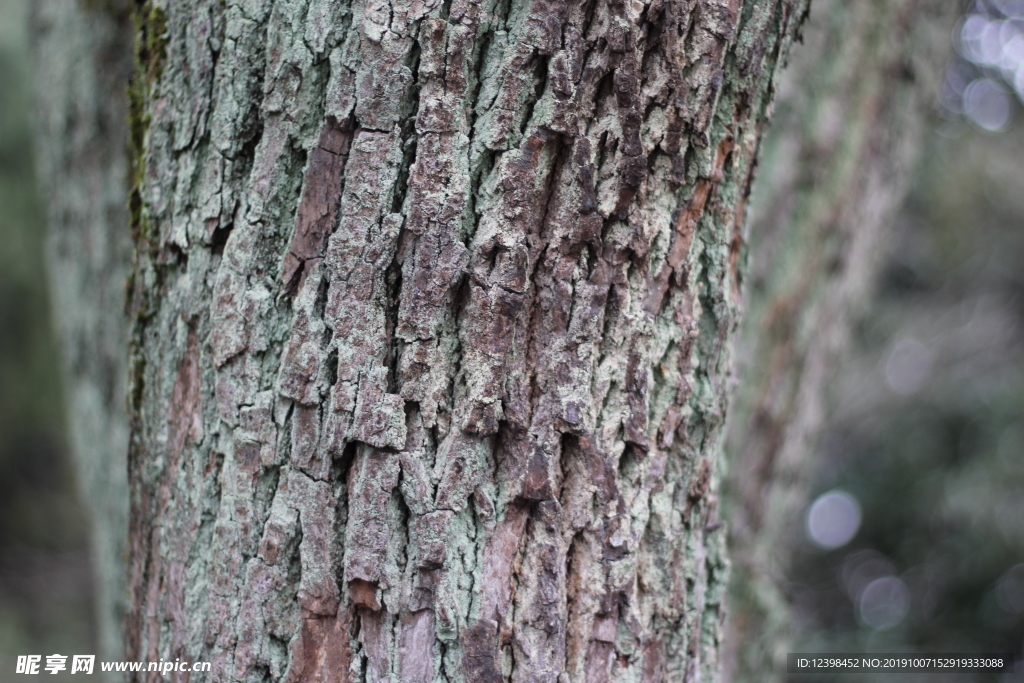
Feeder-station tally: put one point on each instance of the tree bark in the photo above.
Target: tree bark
(431, 308)
(836, 167)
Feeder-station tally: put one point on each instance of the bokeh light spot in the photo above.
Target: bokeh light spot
(987, 105)
(833, 519)
(863, 567)
(1010, 590)
(908, 366)
(884, 603)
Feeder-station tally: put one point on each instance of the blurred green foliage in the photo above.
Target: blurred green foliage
(927, 428)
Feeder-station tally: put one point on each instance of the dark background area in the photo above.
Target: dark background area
(926, 426)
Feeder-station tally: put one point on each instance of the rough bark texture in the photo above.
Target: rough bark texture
(836, 166)
(84, 61)
(431, 312)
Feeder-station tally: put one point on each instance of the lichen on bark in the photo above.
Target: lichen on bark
(431, 333)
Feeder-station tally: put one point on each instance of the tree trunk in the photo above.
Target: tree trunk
(836, 167)
(83, 58)
(431, 308)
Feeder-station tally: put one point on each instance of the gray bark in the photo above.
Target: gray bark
(431, 309)
(836, 166)
(83, 57)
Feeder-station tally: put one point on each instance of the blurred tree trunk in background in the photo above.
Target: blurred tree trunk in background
(83, 61)
(835, 168)
(431, 309)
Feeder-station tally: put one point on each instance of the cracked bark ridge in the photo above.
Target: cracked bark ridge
(432, 304)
